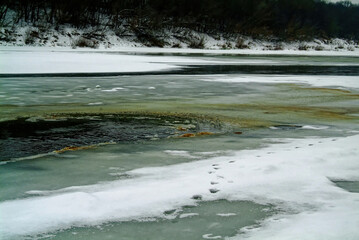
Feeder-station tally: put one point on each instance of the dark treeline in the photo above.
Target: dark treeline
(286, 19)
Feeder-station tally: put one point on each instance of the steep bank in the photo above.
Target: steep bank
(70, 37)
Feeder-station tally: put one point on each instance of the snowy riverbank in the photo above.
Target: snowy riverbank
(170, 40)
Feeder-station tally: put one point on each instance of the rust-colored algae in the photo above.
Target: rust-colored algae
(329, 90)
(181, 128)
(204, 133)
(186, 135)
(73, 148)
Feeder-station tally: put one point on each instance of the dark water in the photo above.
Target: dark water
(351, 186)
(219, 69)
(25, 137)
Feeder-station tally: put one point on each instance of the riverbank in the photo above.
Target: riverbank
(168, 40)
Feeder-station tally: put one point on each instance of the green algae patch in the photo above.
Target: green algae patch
(330, 90)
(83, 112)
(263, 115)
(74, 148)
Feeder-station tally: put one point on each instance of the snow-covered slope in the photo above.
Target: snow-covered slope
(66, 36)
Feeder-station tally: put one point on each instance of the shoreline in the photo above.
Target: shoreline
(55, 60)
(149, 50)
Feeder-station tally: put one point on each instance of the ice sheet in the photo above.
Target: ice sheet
(78, 62)
(294, 175)
(317, 81)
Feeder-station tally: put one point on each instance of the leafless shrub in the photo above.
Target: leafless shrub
(319, 48)
(227, 45)
(351, 48)
(149, 38)
(197, 43)
(84, 42)
(277, 47)
(176, 45)
(303, 47)
(31, 36)
(241, 44)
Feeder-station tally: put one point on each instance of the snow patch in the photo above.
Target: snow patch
(226, 214)
(211, 236)
(318, 81)
(95, 103)
(309, 127)
(294, 177)
(113, 89)
(80, 62)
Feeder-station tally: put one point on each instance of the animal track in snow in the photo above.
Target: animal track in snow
(213, 190)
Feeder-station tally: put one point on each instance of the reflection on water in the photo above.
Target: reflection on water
(219, 69)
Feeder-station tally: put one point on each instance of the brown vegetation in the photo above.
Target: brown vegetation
(73, 148)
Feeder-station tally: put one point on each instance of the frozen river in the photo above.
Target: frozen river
(125, 145)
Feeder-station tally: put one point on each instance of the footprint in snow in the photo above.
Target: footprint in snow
(211, 236)
(213, 190)
(197, 197)
(169, 212)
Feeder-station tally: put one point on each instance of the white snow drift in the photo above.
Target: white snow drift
(312, 80)
(295, 175)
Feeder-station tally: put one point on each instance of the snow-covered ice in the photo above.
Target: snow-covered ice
(312, 80)
(296, 177)
(37, 60)
(79, 62)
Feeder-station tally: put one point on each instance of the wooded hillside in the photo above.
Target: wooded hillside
(285, 19)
